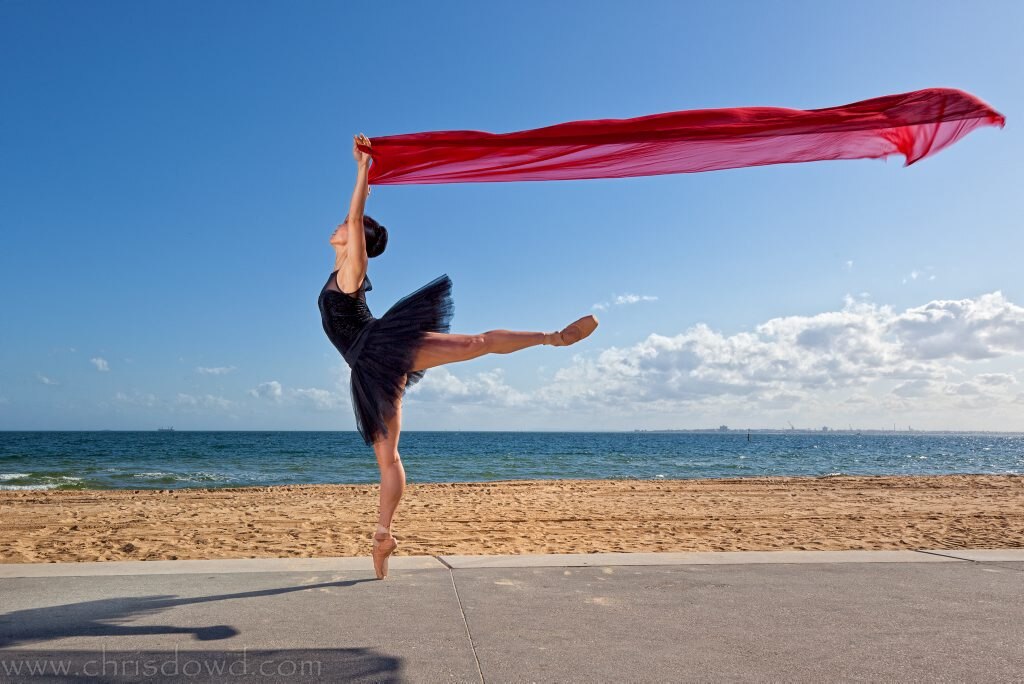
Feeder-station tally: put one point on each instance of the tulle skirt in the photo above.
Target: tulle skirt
(383, 354)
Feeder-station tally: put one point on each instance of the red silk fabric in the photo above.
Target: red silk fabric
(915, 124)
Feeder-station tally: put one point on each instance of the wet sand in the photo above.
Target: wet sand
(518, 516)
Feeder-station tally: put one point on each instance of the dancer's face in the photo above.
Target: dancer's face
(339, 238)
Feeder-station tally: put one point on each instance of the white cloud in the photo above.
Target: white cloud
(203, 401)
(487, 387)
(267, 390)
(986, 327)
(620, 300)
(995, 379)
(913, 275)
(863, 355)
(848, 265)
(46, 380)
(633, 299)
(217, 370)
(100, 363)
(962, 388)
(313, 397)
(916, 274)
(319, 399)
(181, 401)
(138, 399)
(914, 388)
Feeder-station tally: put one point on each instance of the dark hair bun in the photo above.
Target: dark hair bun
(376, 248)
(376, 237)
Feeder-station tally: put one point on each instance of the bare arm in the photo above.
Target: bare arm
(356, 234)
(354, 268)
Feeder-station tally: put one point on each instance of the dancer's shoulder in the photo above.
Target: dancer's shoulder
(351, 281)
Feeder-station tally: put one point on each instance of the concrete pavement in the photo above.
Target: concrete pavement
(930, 615)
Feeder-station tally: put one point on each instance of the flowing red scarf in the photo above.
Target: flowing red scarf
(916, 125)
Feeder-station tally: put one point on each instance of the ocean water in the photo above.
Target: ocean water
(169, 460)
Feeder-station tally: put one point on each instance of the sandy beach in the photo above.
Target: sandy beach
(511, 517)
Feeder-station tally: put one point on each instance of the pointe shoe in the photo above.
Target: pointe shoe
(383, 547)
(575, 331)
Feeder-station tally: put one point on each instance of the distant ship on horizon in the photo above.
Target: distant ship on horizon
(166, 429)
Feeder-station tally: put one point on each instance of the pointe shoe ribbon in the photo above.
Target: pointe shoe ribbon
(577, 330)
(382, 550)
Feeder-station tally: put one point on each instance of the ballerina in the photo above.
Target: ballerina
(387, 355)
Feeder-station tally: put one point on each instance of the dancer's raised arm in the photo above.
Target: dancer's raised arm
(356, 236)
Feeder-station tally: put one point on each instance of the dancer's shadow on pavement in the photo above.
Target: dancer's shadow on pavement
(102, 616)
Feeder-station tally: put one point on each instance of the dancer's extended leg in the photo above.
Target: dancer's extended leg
(508, 341)
(441, 348)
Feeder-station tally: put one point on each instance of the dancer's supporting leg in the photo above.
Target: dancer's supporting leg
(392, 486)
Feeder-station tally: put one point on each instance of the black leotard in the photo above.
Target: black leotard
(344, 315)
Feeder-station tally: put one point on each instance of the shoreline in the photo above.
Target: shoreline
(814, 512)
(57, 489)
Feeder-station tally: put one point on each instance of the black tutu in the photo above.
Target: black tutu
(381, 351)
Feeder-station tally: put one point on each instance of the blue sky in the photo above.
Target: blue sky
(170, 172)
